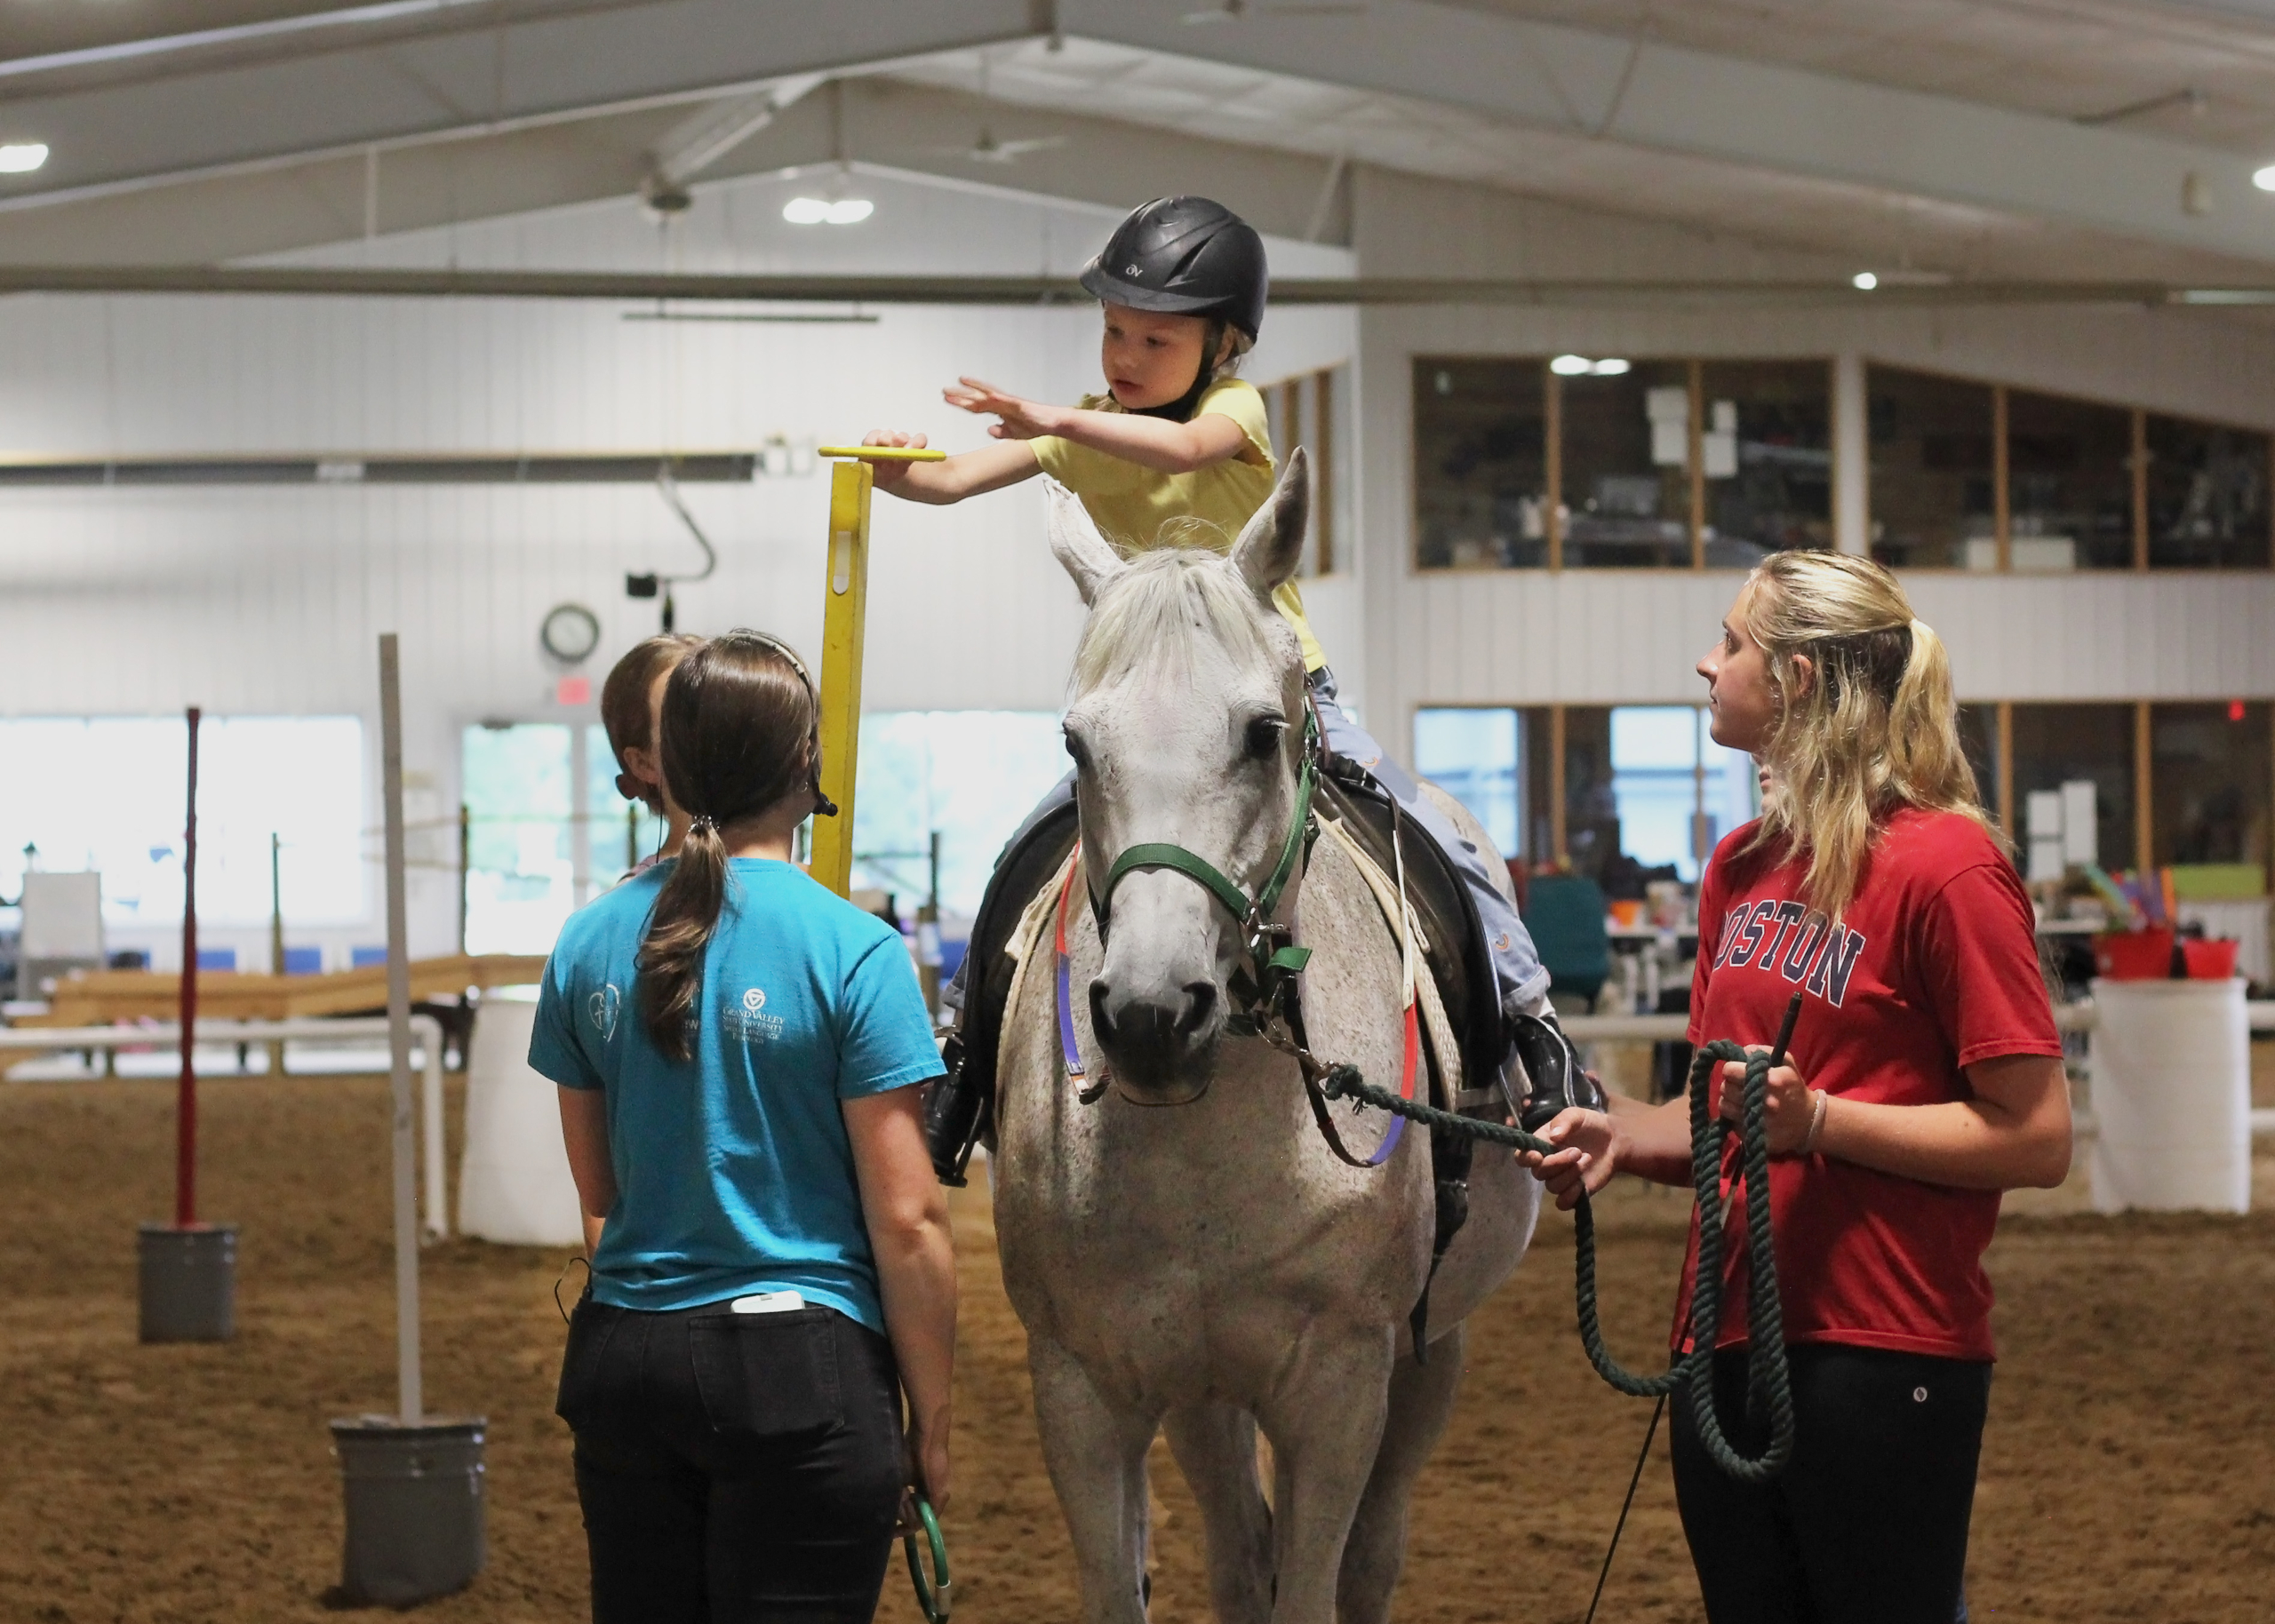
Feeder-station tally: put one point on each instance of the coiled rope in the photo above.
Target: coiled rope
(1769, 1375)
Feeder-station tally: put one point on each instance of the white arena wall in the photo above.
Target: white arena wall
(268, 600)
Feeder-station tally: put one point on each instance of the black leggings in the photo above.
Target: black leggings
(733, 1467)
(1867, 1524)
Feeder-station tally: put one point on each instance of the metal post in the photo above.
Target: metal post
(186, 1094)
(412, 1401)
(844, 611)
(275, 933)
(465, 866)
(580, 828)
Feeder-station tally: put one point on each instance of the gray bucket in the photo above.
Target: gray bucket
(414, 1507)
(189, 1283)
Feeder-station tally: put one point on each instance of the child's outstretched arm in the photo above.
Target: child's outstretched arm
(1150, 443)
(968, 473)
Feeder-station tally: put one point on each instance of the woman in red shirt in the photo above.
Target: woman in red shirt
(1925, 1077)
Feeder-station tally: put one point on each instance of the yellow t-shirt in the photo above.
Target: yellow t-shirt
(1130, 503)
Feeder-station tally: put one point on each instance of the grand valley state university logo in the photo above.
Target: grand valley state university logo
(745, 1019)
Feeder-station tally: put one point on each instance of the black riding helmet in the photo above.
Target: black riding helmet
(1184, 256)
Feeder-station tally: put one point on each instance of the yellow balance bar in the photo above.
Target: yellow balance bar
(844, 613)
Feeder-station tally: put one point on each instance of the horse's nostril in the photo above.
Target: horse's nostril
(1101, 1022)
(1200, 1004)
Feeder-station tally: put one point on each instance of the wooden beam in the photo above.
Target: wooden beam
(1557, 849)
(2139, 471)
(1696, 452)
(2004, 754)
(2001, 499)
(1553, 436)
(2144, 821)
(1323, 500)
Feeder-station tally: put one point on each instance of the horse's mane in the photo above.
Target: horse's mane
(1171, 603)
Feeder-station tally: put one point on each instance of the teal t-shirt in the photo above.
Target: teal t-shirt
(733, 1171)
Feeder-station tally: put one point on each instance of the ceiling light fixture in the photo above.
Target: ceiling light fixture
(1865, 282)
(1610, 366)
(1571, 366)
(22, 157)
(822, 211)
(2265, 179)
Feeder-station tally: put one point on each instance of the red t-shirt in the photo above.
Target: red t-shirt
(1932, 966)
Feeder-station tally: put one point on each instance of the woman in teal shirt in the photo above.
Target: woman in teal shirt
(739, 1052)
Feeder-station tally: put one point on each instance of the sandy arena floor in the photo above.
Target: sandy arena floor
(2130, 1470)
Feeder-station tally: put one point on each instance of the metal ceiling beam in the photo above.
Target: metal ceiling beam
(466, 75)
(1020, 290)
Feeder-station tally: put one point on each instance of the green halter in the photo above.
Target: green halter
(1270, 958)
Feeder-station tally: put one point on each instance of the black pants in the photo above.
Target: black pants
(733, 1467)
(1867, 1524)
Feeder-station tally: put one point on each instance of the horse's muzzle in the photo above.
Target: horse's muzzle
(1159, 1045)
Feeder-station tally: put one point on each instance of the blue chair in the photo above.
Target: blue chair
(304, 962)
(366, 958)
(1564, 914)
(217, 959)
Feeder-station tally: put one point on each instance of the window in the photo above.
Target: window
(2053, 744)
(1647, 788)
(520, 882)
(2070, 484)
(1766, 450)
(1476, 754)
(2209, 764)
(1931, 440)
(1308, 410)
(106, 794)
(2207, 506)
(1598, 465)
(1978, 737)
(1626, 468)
(1481, 464)
(970, 777)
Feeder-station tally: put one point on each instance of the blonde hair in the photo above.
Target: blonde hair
(1874, 731)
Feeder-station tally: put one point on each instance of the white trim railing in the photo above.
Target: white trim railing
(425, 1027)
(2078, 1017)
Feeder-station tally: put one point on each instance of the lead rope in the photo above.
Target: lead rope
(1765, 1319)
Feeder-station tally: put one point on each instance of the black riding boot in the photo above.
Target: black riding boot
(955, 1115)
(1553, 1070)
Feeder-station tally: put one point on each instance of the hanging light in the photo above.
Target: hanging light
(22, 157)
(826, 211)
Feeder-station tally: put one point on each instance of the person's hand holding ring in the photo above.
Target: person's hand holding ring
(1790, 1109)
(1588, 1153)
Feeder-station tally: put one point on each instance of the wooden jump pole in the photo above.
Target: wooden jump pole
(186, 1094)
(412, 1400)
(845, 607)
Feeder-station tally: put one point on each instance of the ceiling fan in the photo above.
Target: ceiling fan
(987, 149)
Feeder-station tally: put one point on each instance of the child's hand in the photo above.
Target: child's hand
(1021, 419)
(889, 474)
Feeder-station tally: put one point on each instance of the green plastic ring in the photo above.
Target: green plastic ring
(933, 1597)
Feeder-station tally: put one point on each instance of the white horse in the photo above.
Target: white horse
(1186, 1251)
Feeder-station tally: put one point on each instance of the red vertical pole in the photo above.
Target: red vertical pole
(186, 1099)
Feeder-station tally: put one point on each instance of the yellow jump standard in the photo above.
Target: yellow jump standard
(845, 609)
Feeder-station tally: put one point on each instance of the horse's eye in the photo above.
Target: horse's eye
(1263, 740)
(1077, 749)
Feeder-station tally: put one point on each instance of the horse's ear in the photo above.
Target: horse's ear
(1272, 544)
(1075, 538)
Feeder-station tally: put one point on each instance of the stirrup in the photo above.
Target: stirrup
(955, 1117)
(1553, 1068)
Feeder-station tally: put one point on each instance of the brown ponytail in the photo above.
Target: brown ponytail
(741, 735)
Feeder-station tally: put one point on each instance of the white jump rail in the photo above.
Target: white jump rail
(54, 1040)
(2078, 1017)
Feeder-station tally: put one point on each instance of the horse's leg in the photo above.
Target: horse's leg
(1325, 1421)
(1096, 1457)
(1215, 1445)
(1421, 1401)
